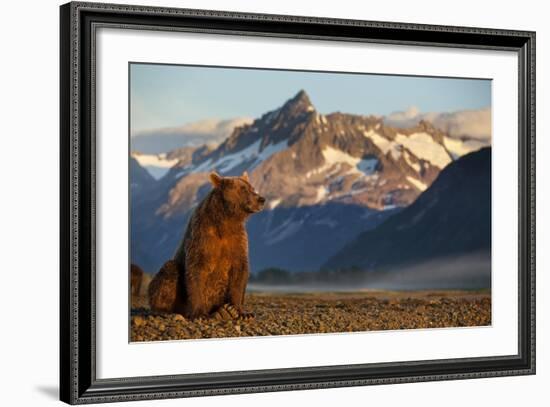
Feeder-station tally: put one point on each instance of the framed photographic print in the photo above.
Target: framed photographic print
(255, 203)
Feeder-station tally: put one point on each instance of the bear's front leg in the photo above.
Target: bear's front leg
(237, 285)
(195, 307)
(198, 302)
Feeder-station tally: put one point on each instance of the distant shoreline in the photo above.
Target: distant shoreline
(328, 289)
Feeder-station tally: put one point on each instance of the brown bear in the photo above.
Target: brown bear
(209, 271)
(136, 279)
(163, 290)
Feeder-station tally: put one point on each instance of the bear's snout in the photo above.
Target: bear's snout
(257, 203)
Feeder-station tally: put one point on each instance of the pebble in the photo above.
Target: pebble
(280, 314)
(138, 321)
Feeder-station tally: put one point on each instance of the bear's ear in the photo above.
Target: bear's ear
(215, 179)
(245, 176)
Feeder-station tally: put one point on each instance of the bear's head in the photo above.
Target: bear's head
(238, 194)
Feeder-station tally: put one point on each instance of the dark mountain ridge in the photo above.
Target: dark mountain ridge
(451, 218)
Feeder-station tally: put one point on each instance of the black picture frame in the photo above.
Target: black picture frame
(78, 382)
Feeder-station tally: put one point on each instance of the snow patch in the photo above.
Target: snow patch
(271, 149)
(333, 156)
(418, 184)
(156, 164)
(384, 144)
(155, 160)
(423, 146)
(322, 192)
(458, 148)
(334, 159)
(274, 203)
(227, 162)
(205, 166)
(252, 152)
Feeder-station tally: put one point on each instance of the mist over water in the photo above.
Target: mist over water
(466, 272)
(303, 288)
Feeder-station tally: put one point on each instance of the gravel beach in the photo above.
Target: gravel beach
(286, 314)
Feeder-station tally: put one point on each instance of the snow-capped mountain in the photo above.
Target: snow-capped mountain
(306, 164)
(452, 219)
(157, 165)
(335, 157)
(464, 125)
(157, 141)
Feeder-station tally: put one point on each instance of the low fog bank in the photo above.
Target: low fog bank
(466, 272)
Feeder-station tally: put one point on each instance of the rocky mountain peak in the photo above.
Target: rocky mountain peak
(300, 104)
(301, 97)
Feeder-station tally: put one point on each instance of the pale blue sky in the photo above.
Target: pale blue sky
(173, 95)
